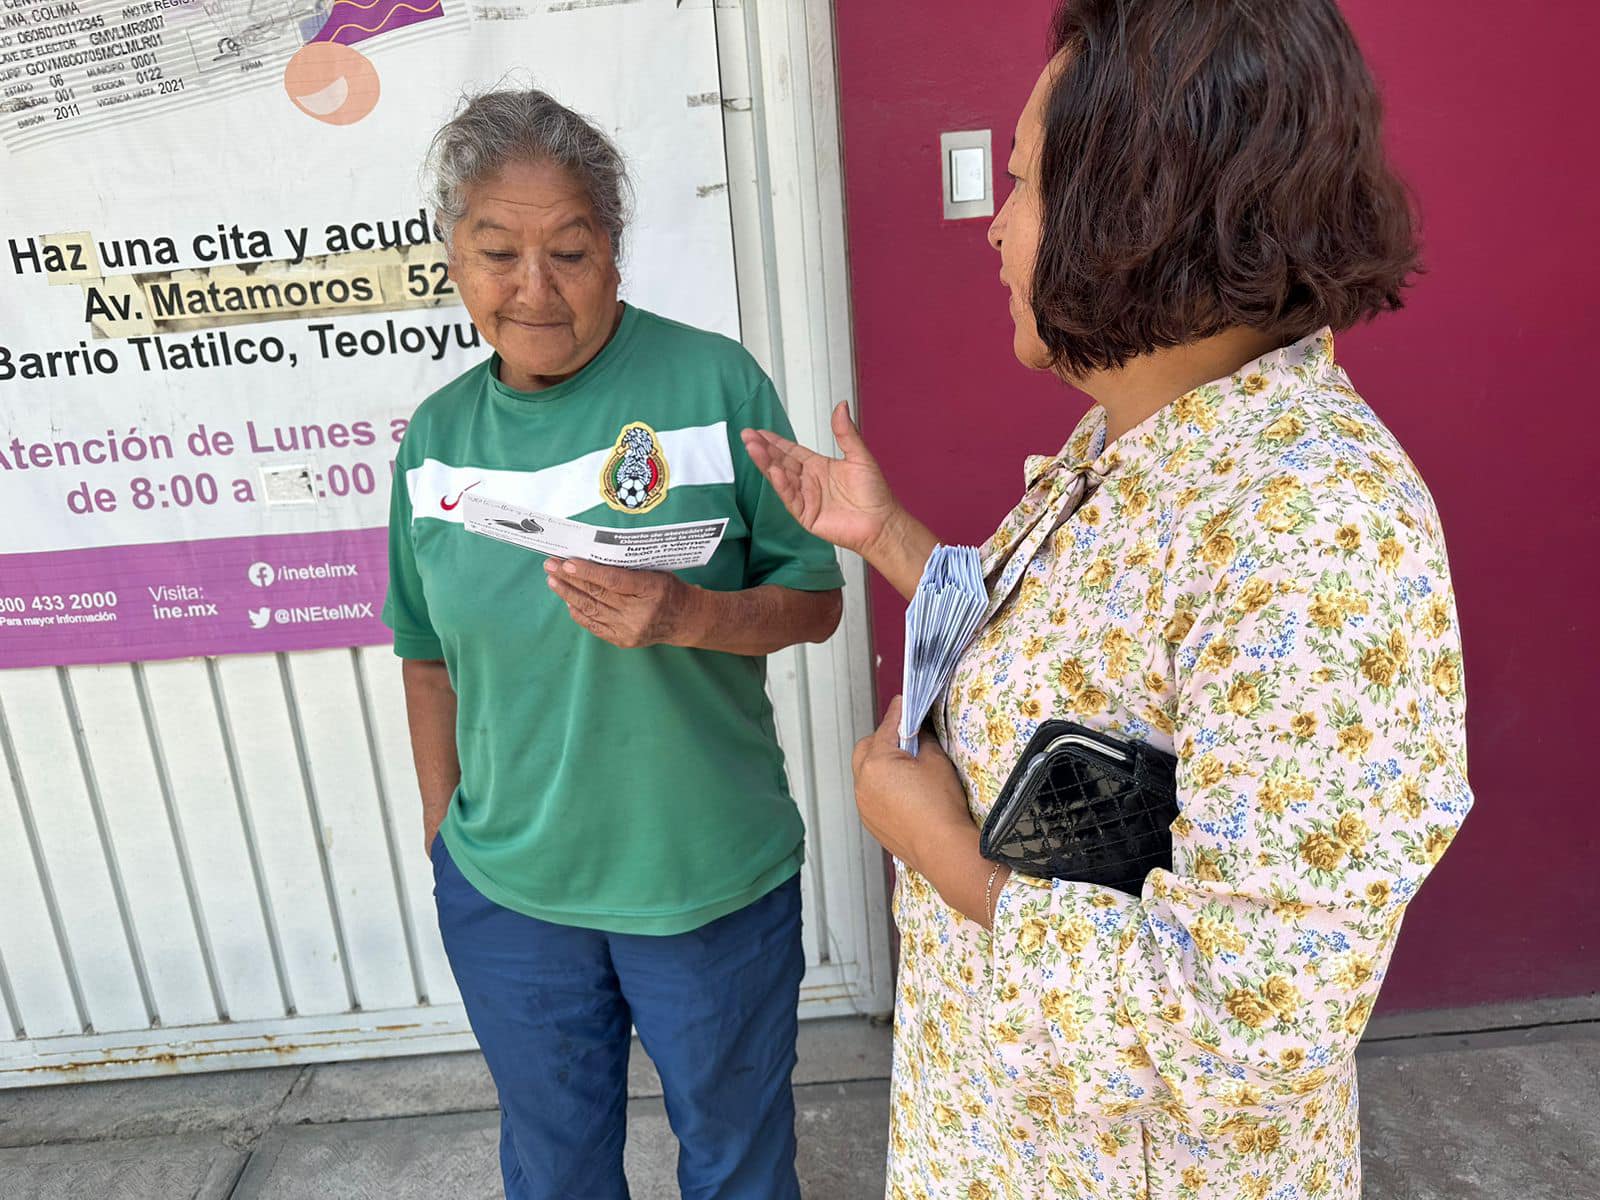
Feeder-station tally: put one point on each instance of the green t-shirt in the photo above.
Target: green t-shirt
(636, 791)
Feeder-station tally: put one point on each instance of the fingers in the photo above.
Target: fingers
(593, 576)
(768, 441)
(603, 596)
(760, 453)
(782, 468)
(589, 613)
(785, 482)
(767, 455)
(772, 455)
(621, 617)
(762, 447)
(592, 600)
(780, 453)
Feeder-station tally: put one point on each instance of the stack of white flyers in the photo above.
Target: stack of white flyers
(945, 612)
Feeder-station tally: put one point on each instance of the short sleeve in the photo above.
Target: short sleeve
(405, 608)
(781, 552)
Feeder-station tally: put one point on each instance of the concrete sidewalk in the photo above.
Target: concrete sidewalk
(1481, 1104)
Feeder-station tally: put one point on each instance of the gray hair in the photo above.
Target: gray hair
(495, 129)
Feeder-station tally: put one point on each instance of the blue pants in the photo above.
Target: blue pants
(552, 1006)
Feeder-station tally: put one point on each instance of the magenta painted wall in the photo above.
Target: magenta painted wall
(1482, 376)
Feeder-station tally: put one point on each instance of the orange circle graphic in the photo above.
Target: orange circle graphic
(331, 82)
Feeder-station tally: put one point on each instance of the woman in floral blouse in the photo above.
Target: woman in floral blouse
(1231, 559)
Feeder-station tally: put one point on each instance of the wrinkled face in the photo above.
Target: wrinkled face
(1016, 227)
(536, 271)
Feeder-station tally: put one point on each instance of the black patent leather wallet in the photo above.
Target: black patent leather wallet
(1086, 806)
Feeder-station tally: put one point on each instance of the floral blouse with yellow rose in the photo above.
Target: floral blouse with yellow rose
(1254, 579)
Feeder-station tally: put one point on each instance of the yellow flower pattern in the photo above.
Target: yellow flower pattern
(1258, 585)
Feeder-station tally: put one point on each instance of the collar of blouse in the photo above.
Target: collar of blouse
(1184, 438)
(1186, 432)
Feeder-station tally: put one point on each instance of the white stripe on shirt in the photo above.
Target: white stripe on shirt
(695, 456)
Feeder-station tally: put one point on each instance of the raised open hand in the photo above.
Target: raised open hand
(845, 501)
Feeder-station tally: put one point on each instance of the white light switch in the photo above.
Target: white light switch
(969, 175)
(967, 165)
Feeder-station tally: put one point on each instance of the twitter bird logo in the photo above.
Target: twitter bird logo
(259, 617)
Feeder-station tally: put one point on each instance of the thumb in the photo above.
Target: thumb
(848, 435)
(889, 731)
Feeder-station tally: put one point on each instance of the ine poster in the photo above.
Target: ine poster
(221, 298)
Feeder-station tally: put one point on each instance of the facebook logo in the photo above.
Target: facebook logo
(261, 574)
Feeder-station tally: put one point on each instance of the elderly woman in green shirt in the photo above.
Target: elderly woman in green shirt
(616, 844)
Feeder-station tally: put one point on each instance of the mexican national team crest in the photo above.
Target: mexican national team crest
(634, 479)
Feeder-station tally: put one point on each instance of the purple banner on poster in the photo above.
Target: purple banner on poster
(239, 595)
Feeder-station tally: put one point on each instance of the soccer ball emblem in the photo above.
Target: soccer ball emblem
(634, 478)
(632, 492)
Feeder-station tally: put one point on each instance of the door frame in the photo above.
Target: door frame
(780, 102)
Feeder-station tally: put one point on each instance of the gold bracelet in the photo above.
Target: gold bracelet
(988, 894)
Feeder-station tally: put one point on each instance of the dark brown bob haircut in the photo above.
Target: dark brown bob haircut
(1207, 164)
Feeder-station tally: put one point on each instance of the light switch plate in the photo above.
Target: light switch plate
(968, 177)
(967, 173)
